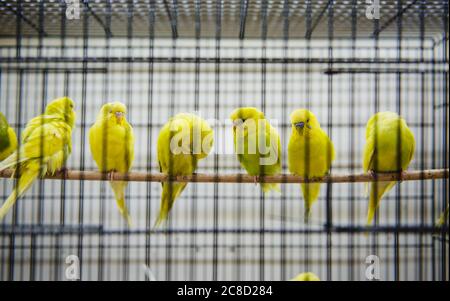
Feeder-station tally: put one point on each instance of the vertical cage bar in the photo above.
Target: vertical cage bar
(329, 196)
(218, 35)
(352, 153)
(398, 145)
(263, 108)
(445, 154)
(194, 208)
(284, 117)
(150, 106)
(80, 238)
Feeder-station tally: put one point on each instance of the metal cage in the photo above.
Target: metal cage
(161, 57)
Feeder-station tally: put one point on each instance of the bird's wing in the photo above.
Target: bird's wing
(130, 145)
(44, 141)
(163, 147)
(4, 138)
(413, 147)
(35, 123)
(330, 146)
(369, 148)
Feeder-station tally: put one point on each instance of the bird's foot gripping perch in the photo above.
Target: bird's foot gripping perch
(402, 175)
(64, 171)
(111, 175)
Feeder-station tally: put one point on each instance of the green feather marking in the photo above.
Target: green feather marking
(4, 138)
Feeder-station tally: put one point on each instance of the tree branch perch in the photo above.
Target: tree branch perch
(415, 175)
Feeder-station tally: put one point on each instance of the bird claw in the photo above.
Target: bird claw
(111, 175)
(256, 179)
(372, 173)
(64, 170)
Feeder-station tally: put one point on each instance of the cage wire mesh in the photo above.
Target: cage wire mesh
(164, 57)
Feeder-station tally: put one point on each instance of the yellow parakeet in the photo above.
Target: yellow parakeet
(8, 139)
(308, 276)
(310, 153)
(111, 140)
(46, 144)
(257, 144)
(182, 142)
(385, 152)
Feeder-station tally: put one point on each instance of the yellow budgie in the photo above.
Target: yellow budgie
(308, 276)
(182, 142)
(250, 129)
(46, 144)
(111, 140)
(8, 139)
(310, 153)
(383, 153)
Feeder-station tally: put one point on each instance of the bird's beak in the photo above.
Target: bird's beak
(119, 116)
(300, 127)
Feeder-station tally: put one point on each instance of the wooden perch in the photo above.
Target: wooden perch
(240, 178)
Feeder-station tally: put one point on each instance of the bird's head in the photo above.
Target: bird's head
(64, 107)
(308, 276)
(114, 112)
(246, 118)
(303, 122)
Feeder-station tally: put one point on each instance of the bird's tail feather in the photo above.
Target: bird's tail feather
(170, 193)
(119, 192)
(27, 178)
(267, 187)
(310, 194)
(11, 161)
(377, 190)
(443, 218)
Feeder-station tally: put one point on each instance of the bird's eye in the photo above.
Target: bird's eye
(307, 120)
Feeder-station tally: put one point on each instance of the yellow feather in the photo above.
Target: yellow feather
(443, 218)
(46, 144)
(182, 142)
(308, 276)
(24, 182)
(256, 157)
(12, 144)
(390, 147)
(111, 141)
(310, 153)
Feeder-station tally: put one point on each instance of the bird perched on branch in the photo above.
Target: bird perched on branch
(8, 138)
(310, 153)
(46, 144)
(308, 276)
(182, 142)
(111, 141)
(257, 145)
(390, 146)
